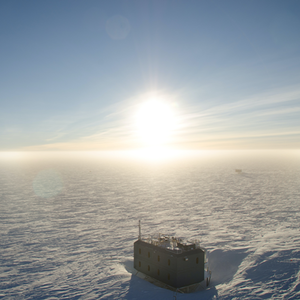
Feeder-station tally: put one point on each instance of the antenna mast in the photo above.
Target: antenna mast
(140, 233)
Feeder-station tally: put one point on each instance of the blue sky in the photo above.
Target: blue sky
(73, 73)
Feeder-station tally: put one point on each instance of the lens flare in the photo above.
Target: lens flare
(48, 183)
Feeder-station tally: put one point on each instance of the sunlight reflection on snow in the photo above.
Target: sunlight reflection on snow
(82, 247)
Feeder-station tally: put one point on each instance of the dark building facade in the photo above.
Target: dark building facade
(170, 261)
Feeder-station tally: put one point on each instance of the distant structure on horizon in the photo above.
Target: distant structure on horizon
(238, 170)
(172, 261)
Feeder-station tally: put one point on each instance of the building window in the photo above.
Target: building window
(140, 264)
(169, 277)
(197, 260)
(158, 258)
(169, 262)
(157, 271)
(148, 254)
(148, 268)
(140, 251)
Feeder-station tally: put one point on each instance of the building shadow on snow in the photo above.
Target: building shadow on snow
(143, 289)
(224, 264)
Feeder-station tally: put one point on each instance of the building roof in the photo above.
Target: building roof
(171, 245)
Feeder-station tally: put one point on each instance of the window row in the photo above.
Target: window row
(158, 271)
(158, 257)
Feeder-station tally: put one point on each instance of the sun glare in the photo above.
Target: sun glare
(155, 122)
(11, 155)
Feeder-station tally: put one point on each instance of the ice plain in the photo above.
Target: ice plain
(77, 242)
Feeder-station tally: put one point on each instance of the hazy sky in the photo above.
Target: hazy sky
(73, 74)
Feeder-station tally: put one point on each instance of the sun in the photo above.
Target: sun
(155, 123)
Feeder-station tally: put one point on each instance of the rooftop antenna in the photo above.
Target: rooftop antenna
(140, 233)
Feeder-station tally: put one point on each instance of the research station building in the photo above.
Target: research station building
(170, 260)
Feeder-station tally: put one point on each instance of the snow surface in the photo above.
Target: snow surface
(78, 244)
